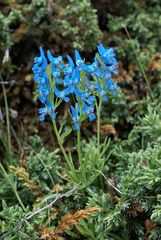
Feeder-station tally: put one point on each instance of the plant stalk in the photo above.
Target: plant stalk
(9, 143)
(12, 184)
(79, 147)
(60, 141)
(98, 109)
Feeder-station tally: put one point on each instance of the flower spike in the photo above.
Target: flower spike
(74, 79)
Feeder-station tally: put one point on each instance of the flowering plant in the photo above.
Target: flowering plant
(85, 87)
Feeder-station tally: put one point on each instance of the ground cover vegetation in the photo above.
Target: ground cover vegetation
(91, 167)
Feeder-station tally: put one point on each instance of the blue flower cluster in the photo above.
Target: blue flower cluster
(74, 81)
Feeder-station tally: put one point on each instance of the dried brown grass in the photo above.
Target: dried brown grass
(67, 221)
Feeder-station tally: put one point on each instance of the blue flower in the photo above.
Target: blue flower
(44, 92)
(107, 54)
(72, 81)
(56, 61)
(75, 118)
(108, 57)
(113, 68)
(68, 70)
(40, 64)
(111, 86)
(107, 75)
(102, 92)
(96, 87)
(43, 87)
(48, 110)
(56, 74)
(93, 68)
(84, 81)
(86, 96)
(79, 61)
(40, 76)
(41, 60)
(103, 73)
(89, 111)
(42, 79)
(37, 70)
(63, 94)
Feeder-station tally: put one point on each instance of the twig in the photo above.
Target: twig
(6, 56)
(109, 183)
(39, 211)
(9, 83)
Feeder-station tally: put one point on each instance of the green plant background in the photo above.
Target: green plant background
(32, 169)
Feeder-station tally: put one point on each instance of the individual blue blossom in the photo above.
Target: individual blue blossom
(103, 73)
(96, 87)
(43, 87)
(113, 68)
(56, 74)
(40, 76)
(42, 79)
(68, 70)
(58, 80)
(44, 92)
(107, 75)
(79, 61)
(100, 73)
(75, 118)
(63, 94)
(49, 109)
(109, 59)
(40, 64)
(92, 68)
(101, 91)
(56, 61)
(89, 111)
(107, 54)
(72, 81)
(111, 86)
(37, 70)
(89, 99)
(86, 96)
(41, 60)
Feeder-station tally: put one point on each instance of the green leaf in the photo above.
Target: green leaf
(66, 133)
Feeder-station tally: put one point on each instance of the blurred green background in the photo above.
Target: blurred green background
(132, 119)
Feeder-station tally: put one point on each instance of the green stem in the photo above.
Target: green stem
(7, 121)
(18, 197)
(12, 184)
(69, 161)
(60, 141)
(98, 109)
(79, 147)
